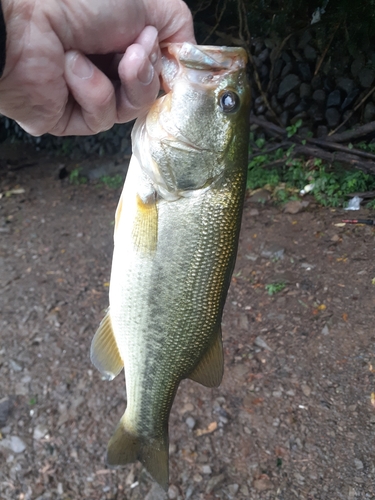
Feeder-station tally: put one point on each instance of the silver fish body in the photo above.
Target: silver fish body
(176, 235)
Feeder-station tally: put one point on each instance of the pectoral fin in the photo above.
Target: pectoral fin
(145, 229)
(104, 353)
(210, 368)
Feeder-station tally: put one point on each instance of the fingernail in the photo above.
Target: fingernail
(146, 72)
(82, 67)
(154, 56)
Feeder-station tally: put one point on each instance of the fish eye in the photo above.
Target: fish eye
(229, 101)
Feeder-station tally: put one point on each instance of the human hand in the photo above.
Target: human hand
(50, 85)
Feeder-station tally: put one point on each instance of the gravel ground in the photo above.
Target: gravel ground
(294, 417)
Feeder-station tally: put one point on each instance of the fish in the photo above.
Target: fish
(175, 242)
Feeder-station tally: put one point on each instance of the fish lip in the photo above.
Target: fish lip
(206, 57)
(216, 62)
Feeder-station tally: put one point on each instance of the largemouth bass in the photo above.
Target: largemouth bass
(176, 235)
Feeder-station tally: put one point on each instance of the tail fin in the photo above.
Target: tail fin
(125, 447)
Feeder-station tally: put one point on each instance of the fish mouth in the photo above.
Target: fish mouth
(209, 60)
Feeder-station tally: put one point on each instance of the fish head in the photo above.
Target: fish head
(198, 122)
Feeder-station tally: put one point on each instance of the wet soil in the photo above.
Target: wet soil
(295, 415)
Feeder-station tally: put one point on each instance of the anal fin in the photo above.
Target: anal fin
(210, 369)
(104, 352)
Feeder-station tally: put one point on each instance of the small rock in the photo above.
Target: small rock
(190, 422)
(325, 330)
(189, 492)
(14, 366)
(156, 493)
(14, 444)
(305, 71)
(316, 82)
(187, 408)
(290, 101)
(304, 40)
(284, 118)
(316, 112)
(306, 390)
(310, 53)
(352, 493)
(206, 469)
(172, 448)
(39, 432)
(197, 478)
(358, 464)
(286, 70)
(305, 90)
(286, 57)
(299, 477)
(333, 117)
(214, 482)
(263, 56)
(329, 85)
(294, 206)
(254, 212)
(290, 392)
(262, 484)
(259, 342)
(260, 196)
(319, 96)
(273, 251)
(349, 100)
(233, 489)
(245, 490)
(345, 84)
(173, 492)
(369, 112)
(301, 115)
(288, 84)
(366, 77)
(243, 322)
(334, 98)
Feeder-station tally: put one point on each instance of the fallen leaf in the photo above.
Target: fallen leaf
(208, 430)
(373, 399)
(345, 317)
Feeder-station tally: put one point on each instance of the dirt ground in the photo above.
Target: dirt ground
(294, 417)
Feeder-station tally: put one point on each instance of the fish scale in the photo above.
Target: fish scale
(176, 236)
